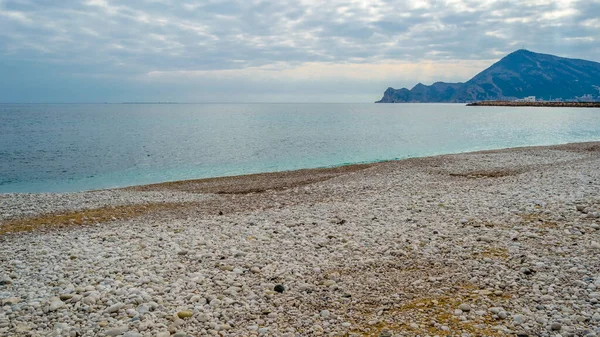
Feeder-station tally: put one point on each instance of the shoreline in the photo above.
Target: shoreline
(458, 244)
(538, 104)
(280, 175)
(191, 191)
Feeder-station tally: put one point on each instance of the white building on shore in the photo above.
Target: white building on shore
(526, 99)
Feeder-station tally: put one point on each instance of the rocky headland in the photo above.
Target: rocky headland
(517, 75)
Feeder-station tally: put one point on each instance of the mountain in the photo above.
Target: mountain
(519, 74)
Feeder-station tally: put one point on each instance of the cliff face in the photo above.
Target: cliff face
(517, 75)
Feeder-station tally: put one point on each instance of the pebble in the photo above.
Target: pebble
(117, 331)
(114, 308)
(132, 334)
(465, 307)
(329, 283)
(56, 304)
(185, 314)
(519, 319)
(555, 326)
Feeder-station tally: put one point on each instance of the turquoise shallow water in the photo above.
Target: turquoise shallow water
(72, 147)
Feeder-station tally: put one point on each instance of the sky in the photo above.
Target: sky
(270, 51)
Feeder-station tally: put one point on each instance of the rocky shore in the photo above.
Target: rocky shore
(493, 243)
(539, 104)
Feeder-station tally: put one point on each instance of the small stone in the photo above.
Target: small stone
(182, 252)
(56, 304)
(163, 334)
(495, 310)
(519, 319)
(503, 314)
(255, 270)
(185, 314)
(304, 287)
(263, 331)
(465, 307)
(527, 271)
(596, 317)
(117, 331)
(555, 326)
(65, 297)
(328, 283)
(103, 324)
(580, 208)
(10, 301)
(90, 300)
(324, 313)
(114, 308)
(143, 308)
(385, 333)
(132, 334)
(279, 288)
(180, 334)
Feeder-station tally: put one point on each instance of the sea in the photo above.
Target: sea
(76, 147)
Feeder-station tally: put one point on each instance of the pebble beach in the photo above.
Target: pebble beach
(490, 243)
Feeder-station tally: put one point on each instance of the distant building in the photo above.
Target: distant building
(586, 98)
(527, 99)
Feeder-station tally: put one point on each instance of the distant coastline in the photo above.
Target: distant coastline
(538, 104)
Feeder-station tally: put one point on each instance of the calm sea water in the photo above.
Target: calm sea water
(68, 147)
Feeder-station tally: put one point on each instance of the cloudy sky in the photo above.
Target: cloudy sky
(273, 50)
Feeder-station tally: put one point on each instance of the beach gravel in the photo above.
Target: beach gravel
(492, 243)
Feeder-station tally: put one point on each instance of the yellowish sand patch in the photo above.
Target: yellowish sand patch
(84, 217)
(494, 253)
(485, 174)
(425, 311)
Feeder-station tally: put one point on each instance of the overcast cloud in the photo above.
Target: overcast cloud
(252, 50)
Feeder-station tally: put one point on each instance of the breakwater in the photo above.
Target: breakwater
(538, 104)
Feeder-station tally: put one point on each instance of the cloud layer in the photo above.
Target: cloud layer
(193, 50)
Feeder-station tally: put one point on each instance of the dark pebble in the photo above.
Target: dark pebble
(279, 288)
(527, 271)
